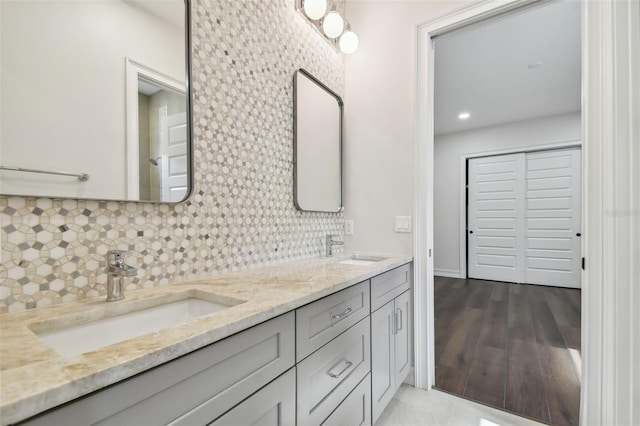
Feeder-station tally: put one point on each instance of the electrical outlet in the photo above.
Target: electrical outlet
(348, 227)
(403, 223)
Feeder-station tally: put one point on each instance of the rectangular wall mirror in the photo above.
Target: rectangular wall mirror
(317, 130)
(95, 99)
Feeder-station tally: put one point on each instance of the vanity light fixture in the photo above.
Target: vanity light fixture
(348, 40)
(314, 9)
(332, 25)
(464, 115)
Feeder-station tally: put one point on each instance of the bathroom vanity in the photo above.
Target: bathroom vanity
(292, 345)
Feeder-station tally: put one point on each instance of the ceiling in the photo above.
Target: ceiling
(517, 67)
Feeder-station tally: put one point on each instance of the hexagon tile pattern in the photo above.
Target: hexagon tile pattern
(241, 212)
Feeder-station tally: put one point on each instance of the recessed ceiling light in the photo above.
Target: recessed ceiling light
(464, 115)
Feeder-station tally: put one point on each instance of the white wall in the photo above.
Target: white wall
(379, 110)
(63, 99)
(448, 150)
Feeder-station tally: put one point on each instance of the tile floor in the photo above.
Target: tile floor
(417, 407)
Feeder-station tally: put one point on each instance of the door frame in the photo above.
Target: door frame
(463, 193)
(610, 101)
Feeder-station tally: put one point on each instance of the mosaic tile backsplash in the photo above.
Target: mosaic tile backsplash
(241, 212)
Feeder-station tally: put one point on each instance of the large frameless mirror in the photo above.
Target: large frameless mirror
(95, 99)
(317, 133)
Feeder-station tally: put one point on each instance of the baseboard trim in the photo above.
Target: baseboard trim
(449, 273)
(411, 377)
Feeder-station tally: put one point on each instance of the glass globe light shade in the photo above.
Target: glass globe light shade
(314, 9)
(348, 42)
(332, 24)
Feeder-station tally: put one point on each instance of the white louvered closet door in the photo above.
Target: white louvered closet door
(496, 218)
(524, 218)
(552, 248)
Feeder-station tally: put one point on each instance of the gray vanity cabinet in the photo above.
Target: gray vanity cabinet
(403, 337)
(327, 376)
(355, 410)
(320, 322)
(332, 362)
(334, 357)
(389, 285)
(390, 336)
(383, 385)
(273, 405)
(194, 389)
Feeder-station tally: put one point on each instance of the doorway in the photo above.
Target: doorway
(498, 337)
(610, 101)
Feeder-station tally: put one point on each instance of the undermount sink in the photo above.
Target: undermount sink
(361, 260)
(96, 334)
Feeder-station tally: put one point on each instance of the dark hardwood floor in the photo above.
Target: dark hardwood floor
(511, 346)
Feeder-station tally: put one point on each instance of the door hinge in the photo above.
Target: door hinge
(583, 263)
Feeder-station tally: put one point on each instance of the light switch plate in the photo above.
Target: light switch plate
(348, 227)
(403, 223)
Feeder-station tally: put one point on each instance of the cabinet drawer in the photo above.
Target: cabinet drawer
(319, 322)
(355, 410)
(328, 375)
(212, 379)
(389, 285)
(273, 405)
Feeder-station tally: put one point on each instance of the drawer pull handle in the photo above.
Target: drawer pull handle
(337, 376)
(346, 312)
(399, 311)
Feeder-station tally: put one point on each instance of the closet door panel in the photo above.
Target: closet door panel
(496, 218)
(553, 219)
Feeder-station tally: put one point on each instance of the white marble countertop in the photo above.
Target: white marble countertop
(34, 378)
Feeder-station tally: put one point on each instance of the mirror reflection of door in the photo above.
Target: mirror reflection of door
(173, 151)
(157, 155)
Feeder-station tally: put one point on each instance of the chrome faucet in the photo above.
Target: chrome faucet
(117, 270)
(330, 243)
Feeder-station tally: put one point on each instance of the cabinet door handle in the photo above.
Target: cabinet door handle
(346, 367)
(395, 322)
(346, 312)
(399, 315)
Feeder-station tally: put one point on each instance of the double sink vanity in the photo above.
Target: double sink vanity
(310, 342)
